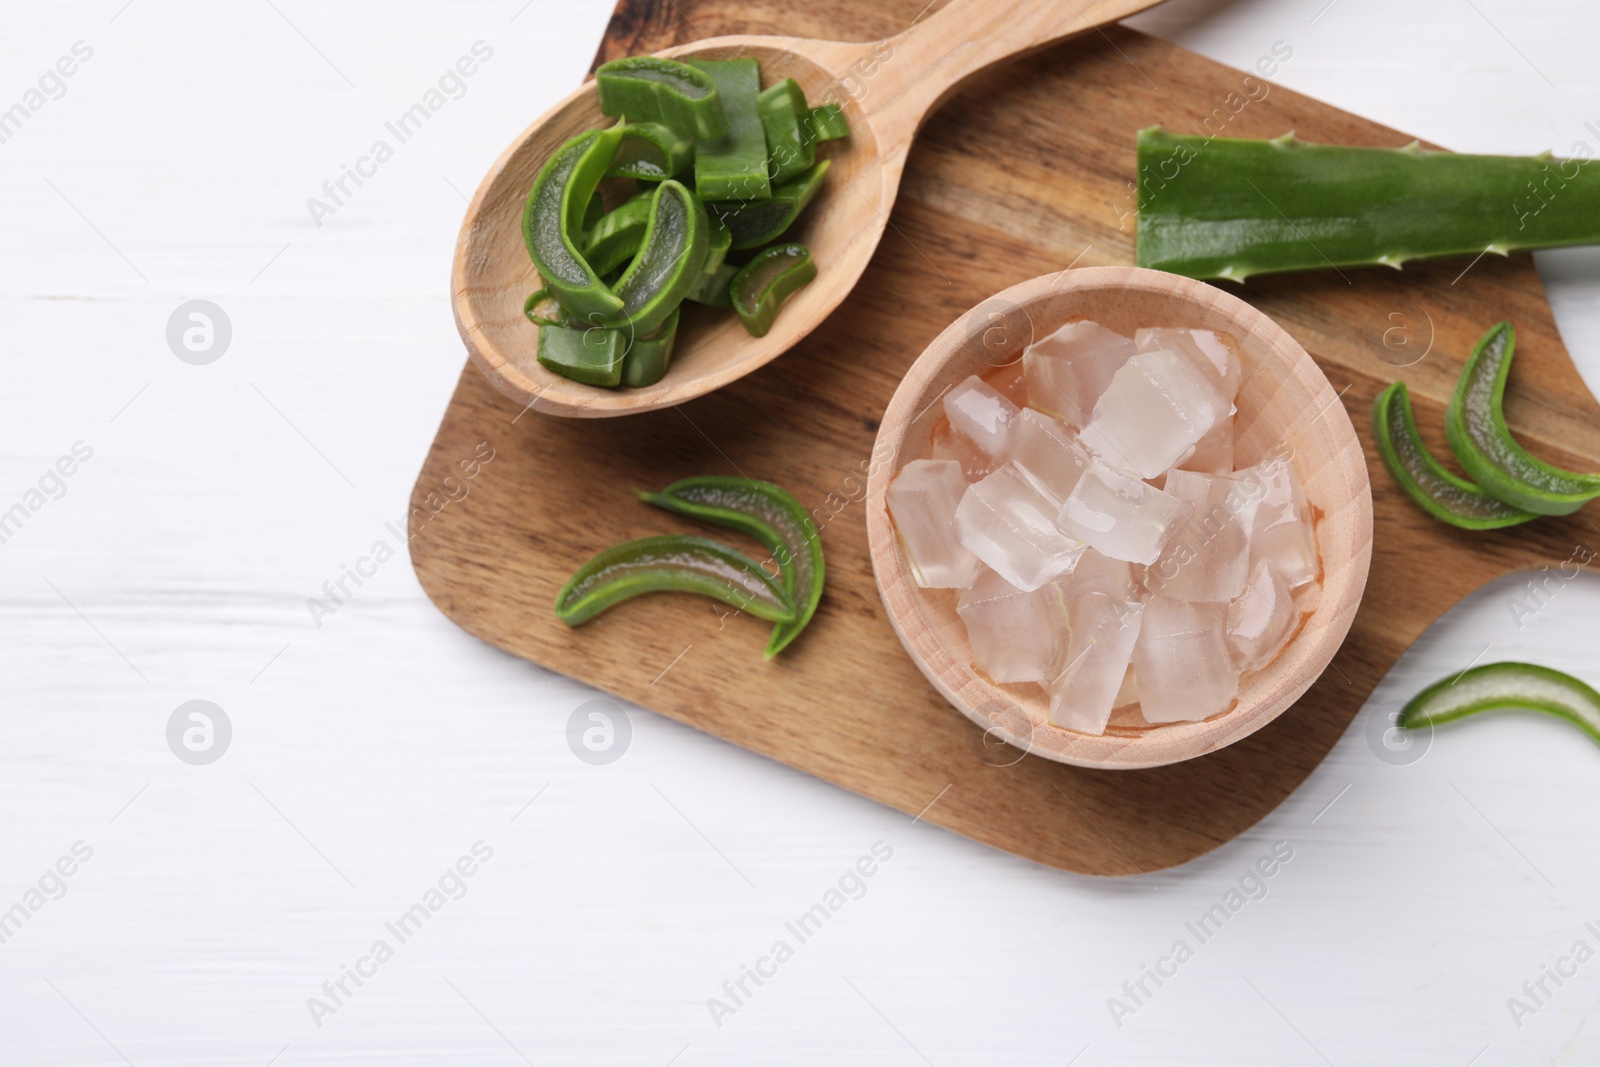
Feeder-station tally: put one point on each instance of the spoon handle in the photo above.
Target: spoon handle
(909, 74)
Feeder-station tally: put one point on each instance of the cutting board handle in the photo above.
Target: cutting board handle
(903, 78)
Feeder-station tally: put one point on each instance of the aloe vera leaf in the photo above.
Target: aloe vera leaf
(1231, 208)
(1476, 428)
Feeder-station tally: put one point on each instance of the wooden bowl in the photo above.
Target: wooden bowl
(1283, 397)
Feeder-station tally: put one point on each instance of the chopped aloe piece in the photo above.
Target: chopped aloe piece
(1476, 427)
(649, 357)
(719, 241)
(552, 223)
(585, 354)
(760, 222)
(672, 564)
(668, 262)
(1505, 685)
(712, 288)
(1446, 496)
(783, 112)
(652, 152)
(827, 123)
(770, 514)
(542, 309)
(652, 89)
(763, 284)
(617, 236)
(1217, 207)
(734, 165)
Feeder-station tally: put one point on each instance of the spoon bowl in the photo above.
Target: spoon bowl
(1284, 398)
(885, 87)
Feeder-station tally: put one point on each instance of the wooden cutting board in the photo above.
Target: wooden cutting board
(1026, 170)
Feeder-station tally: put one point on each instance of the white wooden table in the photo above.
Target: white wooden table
(372, 753)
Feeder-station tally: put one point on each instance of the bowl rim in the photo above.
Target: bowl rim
(991, 706)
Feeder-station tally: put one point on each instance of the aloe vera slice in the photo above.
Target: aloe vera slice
(651, 152)
(734, 165)
(1476, 427)
(758, 222)
(671, 564)
(552, 223)
(763, 284)
(770, 514)
(712, 289)
(718, 242)
(1505, 685)
(1230, 208)
(790, 150)
(584, 354)
(615, 238)
(668, 262)
(594, 212)
(1446, 496)
(652, 89)
(649, 357)
(826, 123)
(542, 309)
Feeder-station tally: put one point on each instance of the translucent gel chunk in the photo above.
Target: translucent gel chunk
(1119, 516)
(1261, 619)
(1047, 453)
(1185, 670)
(1010, 525)
(1156, 409)
(1104, 631)
(1208, 559)
(922, 501)
(978, 412)
(1067, 370)
(947, 444)
(1213, 354)
(1015, 636)
(1099, 573)
(1283, 535)
(1213, 453)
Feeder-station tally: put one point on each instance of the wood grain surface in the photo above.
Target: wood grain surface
(1027, 169)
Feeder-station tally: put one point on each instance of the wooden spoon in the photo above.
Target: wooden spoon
(1284, 398)
(886, 87)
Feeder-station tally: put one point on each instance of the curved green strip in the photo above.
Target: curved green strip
(542, 309)
(616, 237)
(1446, 496)
(1496, 686)
(651, 152)
(671, 564)
(653, 89)
(755, 223)
(763, 284)
(771, 515)
(1476, 426)
(552, 223)
(668, 263)
(649, 357)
